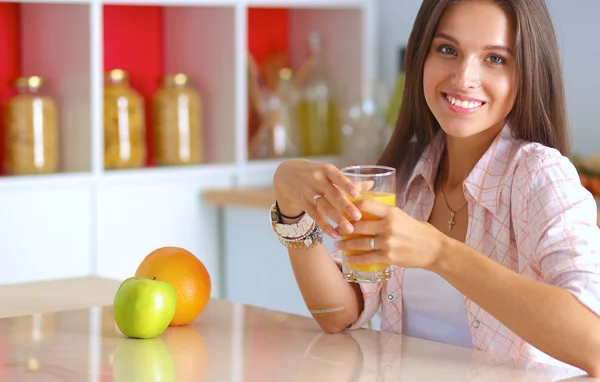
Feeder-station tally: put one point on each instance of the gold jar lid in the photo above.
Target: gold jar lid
(30, 82)
(117, 75)
(285, 74)
(176, 79)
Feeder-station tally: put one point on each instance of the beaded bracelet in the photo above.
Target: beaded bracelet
(300, 235)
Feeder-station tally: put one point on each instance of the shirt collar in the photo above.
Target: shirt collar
(482, 186)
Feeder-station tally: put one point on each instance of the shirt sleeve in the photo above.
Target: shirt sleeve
(559, 234)
(371, 297)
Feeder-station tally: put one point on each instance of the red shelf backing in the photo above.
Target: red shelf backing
(267, 32)
(133, 41)
(10, 62)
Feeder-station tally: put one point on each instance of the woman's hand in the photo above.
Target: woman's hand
(398, 238)
(297, 181)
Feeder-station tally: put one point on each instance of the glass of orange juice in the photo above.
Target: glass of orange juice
(375, 183)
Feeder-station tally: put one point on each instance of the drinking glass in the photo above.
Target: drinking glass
(374, 183)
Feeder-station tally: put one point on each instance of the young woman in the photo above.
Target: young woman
(482, 137)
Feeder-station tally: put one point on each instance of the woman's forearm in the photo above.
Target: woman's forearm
(323, 287)
(548, 317)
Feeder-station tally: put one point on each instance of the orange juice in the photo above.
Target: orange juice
(384, 197)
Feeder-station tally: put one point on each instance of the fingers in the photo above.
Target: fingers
(361, 243)
(367, 253)
(337, 199)
(327, 209)
(328, 181)
(320, 218)
(375, 208)
(342, 181)
(369, 227)
(335, 193)
(365, 185)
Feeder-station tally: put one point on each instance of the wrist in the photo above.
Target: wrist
(292, 212)
(442, 248)
(301, 234)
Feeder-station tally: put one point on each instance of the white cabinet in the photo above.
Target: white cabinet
(258, 270)
(45, 235)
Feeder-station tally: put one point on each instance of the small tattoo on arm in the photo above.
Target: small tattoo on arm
(326, 310)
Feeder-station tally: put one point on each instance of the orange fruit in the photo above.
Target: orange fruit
(188, 276)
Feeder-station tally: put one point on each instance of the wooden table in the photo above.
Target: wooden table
(228, 342)
(250, 197)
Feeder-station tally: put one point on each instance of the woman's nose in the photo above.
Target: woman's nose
(467, 74)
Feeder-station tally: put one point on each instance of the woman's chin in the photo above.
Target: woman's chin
(459, 131)
(470, 130)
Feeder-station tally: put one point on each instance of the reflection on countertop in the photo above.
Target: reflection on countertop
(235, 342)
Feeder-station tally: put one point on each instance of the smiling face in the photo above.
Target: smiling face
(469, 78)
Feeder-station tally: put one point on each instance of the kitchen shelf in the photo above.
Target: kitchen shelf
(33, 182)
(62, 57)
(87, 220)
(158, 175)
(285, 31)
(150, 41)
(205, 38)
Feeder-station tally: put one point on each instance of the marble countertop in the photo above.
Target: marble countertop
(235, 342)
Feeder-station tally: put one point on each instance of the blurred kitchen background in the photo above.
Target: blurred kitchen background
(127, 126)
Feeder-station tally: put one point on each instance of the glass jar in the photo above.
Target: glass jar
(364, 127)
(318, 118)
(276, 136)
(124, 123)
(176, 122)
(31, 130)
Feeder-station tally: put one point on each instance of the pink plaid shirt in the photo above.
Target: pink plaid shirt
(528, 212)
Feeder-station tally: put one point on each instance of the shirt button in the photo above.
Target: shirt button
(391, 297)
(476, 324)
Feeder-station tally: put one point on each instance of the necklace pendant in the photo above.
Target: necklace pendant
(451, 222)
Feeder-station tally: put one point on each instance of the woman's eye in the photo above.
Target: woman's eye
(445, 49)
(496, 59)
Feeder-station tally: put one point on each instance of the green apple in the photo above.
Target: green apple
(143, 361)
(144, 308)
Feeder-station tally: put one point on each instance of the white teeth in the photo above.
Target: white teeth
(463, 104)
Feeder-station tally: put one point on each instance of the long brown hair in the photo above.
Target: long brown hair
(539, 112)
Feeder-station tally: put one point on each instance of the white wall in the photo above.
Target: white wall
(576, 25)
